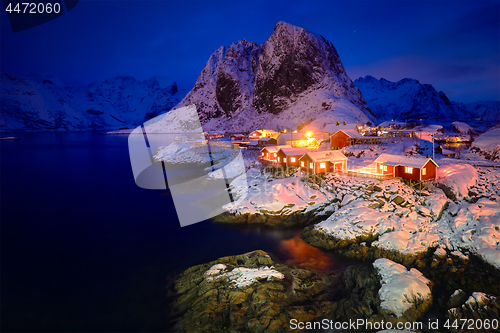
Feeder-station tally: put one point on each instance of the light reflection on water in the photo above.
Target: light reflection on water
(303, 255)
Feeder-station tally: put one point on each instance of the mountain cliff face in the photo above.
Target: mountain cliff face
(408, 99)
(293, 78)
(49, 104)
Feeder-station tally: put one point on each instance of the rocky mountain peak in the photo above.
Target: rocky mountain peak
(271, 78)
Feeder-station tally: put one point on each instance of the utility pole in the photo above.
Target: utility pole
(433, 148)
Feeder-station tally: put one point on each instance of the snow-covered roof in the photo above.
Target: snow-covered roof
(265, 132)
(253, 143)
(237, 135)
(294, 151)
(293, 136)
(332, 155)
(266, 139)
(274, 149)
(352, 133)
(394, 160)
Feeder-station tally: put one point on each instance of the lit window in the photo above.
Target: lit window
(408, 169)
(311, 165)
(322, 165)
(424, 171)
(385, 167)
(254, 134)
(262, 153)
(292, 159)
(278, 159)
(302, 163)
(380, 166)
(274, 154)
(267, 155)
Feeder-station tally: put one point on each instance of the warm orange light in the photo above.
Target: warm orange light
(284, 131)
(304, 255)
(308, 134)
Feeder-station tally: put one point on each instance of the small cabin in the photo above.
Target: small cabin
(255, 135)
(237, 137)
(269, 154)
(323, 161)
(289, 157)
(267, 141)
(414, 168)
(348, 137)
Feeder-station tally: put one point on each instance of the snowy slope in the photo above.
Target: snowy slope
(408, 99)
(488, 144)
(36, 103)
(488, 110)
(293, 78)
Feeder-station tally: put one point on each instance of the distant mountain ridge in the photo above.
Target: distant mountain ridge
(293, 78)
(408, 99)
(36, 103)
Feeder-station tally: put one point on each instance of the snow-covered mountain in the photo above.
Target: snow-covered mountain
(36, 103)
(294, 78)
(488, 111)
(408, 99)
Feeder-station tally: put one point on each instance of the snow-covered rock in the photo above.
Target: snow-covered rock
(488, 143)
(461, 127)
(456, 179)
(401, 288)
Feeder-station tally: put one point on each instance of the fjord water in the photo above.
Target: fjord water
(84, 249)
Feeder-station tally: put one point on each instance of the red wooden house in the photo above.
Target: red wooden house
(289, 157)
(414, 168)
(269, 154)
(267, 141)
(323, 161)
(348, 137)
(263, 134)
(237, 137)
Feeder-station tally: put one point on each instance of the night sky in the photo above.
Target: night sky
(452, 45)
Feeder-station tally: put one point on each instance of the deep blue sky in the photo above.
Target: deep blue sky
(452, 45)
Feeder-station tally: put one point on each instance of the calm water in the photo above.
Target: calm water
(84, 249)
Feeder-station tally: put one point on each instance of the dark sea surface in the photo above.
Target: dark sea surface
(85, 249)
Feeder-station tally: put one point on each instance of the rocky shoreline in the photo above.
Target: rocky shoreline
(251, 293)
(428, 236)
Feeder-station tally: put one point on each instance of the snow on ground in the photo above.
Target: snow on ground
(354, 220)
(461, 127)
(399, 286)
(409, 223)
(273, 196)
(9, 138)
(233, 169)
(241, 277)
(182, 120)
(488, 141)
(426, 132)
(473, 227)
(458, 178)
(186, 152)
